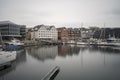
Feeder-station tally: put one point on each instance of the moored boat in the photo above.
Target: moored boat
(6, 57)
(16, 42)
(113, 41)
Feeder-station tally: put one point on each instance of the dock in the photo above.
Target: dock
(52, 74)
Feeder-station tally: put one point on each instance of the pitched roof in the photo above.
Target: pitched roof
(36, 28)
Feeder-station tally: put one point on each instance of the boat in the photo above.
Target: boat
(71, 42)
(13, 45)
(101, 42)
(6, 57)
(81, 43)
(16, 42)
(113, 41)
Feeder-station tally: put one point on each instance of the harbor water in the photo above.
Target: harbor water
(75, 63)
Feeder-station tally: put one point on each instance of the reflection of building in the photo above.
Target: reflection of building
(9, 29)
(43, 32)
(43, 53)
(68, 50)
(62, 34)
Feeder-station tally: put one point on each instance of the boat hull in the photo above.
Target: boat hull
(7, 57)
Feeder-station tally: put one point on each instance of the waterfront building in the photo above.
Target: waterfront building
(104, 33)
(84, 33)
(23, 32)
(62, 34)
(77, 33)
(28, 33)
(9, 29)
(92, 30)
(74, 33)
(43, 32)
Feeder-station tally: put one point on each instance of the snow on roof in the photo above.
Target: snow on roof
(36, 28)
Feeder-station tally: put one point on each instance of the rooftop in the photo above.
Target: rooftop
(6, 22)
(36, 28)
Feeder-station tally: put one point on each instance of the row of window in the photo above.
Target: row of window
(47, 36)
(9, 34)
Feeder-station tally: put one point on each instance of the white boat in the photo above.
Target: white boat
(16, 42)
(7, 57)
(113, 41)
(81, 43)
(13, 45)
(71, 42)
(101, 42)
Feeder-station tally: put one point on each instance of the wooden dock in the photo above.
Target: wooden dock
(52, 74)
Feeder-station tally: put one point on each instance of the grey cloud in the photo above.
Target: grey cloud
(60, 11)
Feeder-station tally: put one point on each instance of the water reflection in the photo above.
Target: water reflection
(51, 52)
(77, 63)
(6, 71)
(68, 50)
(43, 53)
(21, 57)
(105, 49)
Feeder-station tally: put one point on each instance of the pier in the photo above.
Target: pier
(52, 74)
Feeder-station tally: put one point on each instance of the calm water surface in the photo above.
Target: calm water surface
(75, 62)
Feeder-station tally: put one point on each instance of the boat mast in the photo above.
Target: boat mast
(81, 29)
(1, 41)
(104, 30)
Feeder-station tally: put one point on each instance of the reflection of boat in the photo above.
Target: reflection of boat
(106, 49)
(7, 57)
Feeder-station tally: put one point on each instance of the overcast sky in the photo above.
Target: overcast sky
(70, 13)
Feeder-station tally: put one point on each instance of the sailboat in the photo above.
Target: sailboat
(16, 42)
(100, 41)
(81, 41)
(113, 41)
(6, 57)
(13, 45)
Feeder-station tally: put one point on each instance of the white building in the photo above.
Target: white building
(84, 33)
(43, 32)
